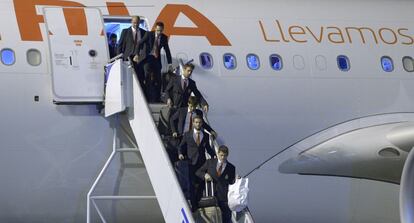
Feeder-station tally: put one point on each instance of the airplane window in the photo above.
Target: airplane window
(408, 64)
(34, 57)
(7, 57)
(206, 60)
(298, 62)
(387, 64)
(253, 61)
(343, 63)
(320, 62)
(276, 62)
(229, 61)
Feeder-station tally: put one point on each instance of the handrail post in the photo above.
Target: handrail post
(95, 183)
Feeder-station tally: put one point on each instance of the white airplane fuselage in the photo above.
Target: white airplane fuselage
(50, 154)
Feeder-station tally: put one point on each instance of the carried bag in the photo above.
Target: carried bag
(209, 200)
(237, 195)
(208, 211)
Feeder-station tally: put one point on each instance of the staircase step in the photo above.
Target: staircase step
(156, 116)
(156, 107)
(127, 150)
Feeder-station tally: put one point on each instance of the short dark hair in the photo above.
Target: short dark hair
(192, 100)
(135, 16)
(160, 24)
(223, 149)
(113, 35)
(197, 116)
(189, 65)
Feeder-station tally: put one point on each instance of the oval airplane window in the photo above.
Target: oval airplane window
(387, 64)
(276, 62)
(253, 61)
(7, 57)
(206, 60)
(320, 62)
(34, 57)
(298, 62)
(408, 64)
(229, 61)
(343, 63)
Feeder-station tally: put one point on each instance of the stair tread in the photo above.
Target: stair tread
(156, 107)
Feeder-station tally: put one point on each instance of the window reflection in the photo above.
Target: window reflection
(229, 61)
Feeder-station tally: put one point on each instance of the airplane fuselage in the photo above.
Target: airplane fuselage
(51, 153)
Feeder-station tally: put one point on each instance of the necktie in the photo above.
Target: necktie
(190, 125)
(135, 36)
(198, 139)
(220, 169)
(155, 47)
(185, 84)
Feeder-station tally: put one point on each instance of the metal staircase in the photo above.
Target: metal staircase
(130, 188)
(141, 185)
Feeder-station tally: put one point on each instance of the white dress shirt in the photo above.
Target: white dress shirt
(135, 34)
(195, 135)
(183, 79)
(218, 166)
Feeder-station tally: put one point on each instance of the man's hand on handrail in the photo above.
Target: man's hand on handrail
(169, 103)
(205, 108)
(136, 58)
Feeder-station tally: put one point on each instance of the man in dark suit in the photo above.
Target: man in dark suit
(180, 88)
(154, 41)
(113, 46)
(181, 120)
(193, 147)
(222, 173)
(129, 45)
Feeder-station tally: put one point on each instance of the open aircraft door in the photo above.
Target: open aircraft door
(78, 49)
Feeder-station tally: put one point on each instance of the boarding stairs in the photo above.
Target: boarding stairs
(136, 135)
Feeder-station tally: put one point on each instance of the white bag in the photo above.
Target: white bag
(237, 195)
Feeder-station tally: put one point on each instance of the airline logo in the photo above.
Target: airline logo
(29, 21)
(332, 34)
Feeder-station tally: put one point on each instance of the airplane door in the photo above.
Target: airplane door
(78, 49)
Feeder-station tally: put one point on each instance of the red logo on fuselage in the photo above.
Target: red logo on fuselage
(28, 20)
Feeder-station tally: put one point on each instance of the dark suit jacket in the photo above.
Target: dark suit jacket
(177, 120)
(113, 50)
(126, 44)
(228, 176)
(196, 154)
(148, 42)
(179, 96)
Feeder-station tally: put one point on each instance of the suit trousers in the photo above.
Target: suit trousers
(152, 70)
(139, 70)
(196, 188)
(225, 211)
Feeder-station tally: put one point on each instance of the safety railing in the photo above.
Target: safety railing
(92, 198)
(115, 58)
(170, 197)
